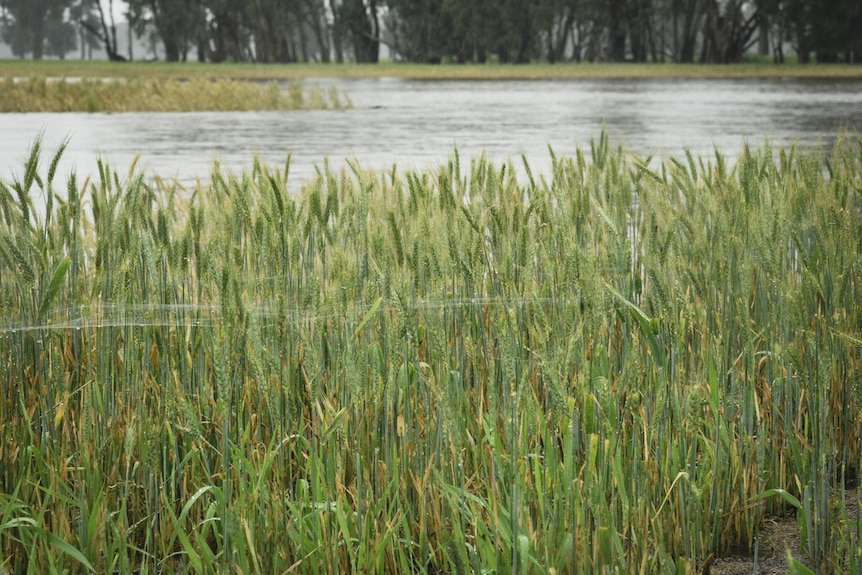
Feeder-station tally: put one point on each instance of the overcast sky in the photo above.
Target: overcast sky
(119, 9)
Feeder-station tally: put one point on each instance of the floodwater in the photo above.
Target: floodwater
(417, 124)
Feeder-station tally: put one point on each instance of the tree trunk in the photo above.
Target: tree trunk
(303, 40)
(557, 43)
(635, 19)
(594, 41)
(336, 33)
(691, 21)
(778, 45)
(114, 54)
(676, 47)
(578, 33)
(202, 39)
(320, 33)
(364, 29)
(616, 30)
(38, 38)
(172, 48)
(375, 32)
(105, 36)
(552, 46)
(763, 35)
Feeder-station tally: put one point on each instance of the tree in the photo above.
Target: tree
(83, 10)
(729, 30)
(639, 21)
(315, 16)
(60, 33)
(433, 30)
(39, 27)
(173, 20)
(275, 24)
(362, 23)
(556, 20)
(475, 29)
(28, 23)
(687, 16)
(519, 36)
(420, 29)
(616, 17)
(105, 33)
(227, 30)
(834, 30)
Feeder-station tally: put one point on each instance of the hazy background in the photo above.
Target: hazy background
(432, 31)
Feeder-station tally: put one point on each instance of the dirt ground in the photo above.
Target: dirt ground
(777, 535)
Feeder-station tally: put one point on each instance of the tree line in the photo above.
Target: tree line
(433, 31)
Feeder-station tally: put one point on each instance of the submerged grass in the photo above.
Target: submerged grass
(617, 367)
(37, 94)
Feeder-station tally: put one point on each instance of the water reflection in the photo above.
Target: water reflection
(419, 123)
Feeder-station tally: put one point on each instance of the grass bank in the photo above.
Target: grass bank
(614, 367)
(38, 94)
(102, 69)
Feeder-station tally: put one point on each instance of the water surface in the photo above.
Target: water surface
(417, 123)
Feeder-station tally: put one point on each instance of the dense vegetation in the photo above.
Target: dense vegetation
(685, 31)
(623, 364)
(37, 94)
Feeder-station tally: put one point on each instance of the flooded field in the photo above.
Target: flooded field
(419, 123)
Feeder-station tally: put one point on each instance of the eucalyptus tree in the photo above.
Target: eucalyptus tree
(686, 18)
(434, 30)
(556, 22)
(828, 29)
(60, 34)
(289, 30)
(518, 41)
(641, 25)
(84, 11)
(228, 31)
(361, 22)
(30, 27)
(315, 16)
(729, 30)
(420, 29)
(630, 29)
(104, 28)
(174, 21)
(270, 22)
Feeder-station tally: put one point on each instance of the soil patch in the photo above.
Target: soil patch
(777, 535)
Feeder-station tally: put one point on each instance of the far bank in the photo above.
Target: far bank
(247, 71)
